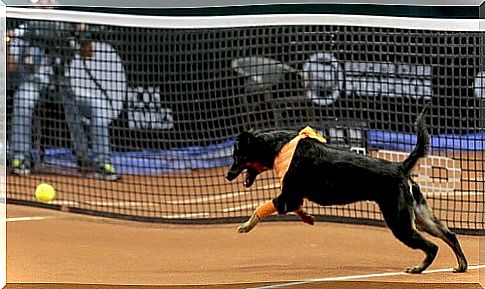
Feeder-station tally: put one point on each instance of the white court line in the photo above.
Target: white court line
(270, 186)
(127, 204)
(103, 203)
(23, 219)
(353, 277)
(253, 205)
(208, 199)
(222, 196)
(240, 208)
(185, 216)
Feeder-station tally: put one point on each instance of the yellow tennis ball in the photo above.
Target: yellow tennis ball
(45, 192)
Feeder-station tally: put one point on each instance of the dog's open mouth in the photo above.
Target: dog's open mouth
(250, 172)
(250, 175)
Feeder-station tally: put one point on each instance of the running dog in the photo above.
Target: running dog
(309, 168)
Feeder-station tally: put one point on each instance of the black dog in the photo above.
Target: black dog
(331, 176)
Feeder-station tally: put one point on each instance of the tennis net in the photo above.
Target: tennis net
(159, 100)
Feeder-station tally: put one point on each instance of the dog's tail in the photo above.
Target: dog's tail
(422, 145)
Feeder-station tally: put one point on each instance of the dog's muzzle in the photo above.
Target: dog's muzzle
(231, 176)
(233, 172)
(250, 175)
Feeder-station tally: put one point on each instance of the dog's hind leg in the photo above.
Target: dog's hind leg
(400, 219)
(304, 216)
(428, 222)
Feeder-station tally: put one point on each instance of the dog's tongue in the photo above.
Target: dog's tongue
(250, 175)
(247, 181)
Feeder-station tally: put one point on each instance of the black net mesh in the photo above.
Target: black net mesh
(140, 122)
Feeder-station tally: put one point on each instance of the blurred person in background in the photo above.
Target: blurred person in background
(44, 54)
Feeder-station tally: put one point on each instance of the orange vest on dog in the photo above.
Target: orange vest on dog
(284, 157)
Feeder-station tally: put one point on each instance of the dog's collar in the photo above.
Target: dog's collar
(283, 159)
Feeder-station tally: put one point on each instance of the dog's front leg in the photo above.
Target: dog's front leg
(259, 214)
(249, 224)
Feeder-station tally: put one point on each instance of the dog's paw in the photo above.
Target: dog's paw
(244, 228)
(249, 224)
(414, 270)
(309, 219)
(305, 217)
(459, 270)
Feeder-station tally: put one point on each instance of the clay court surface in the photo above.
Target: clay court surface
(61, 247)
(48, 246)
